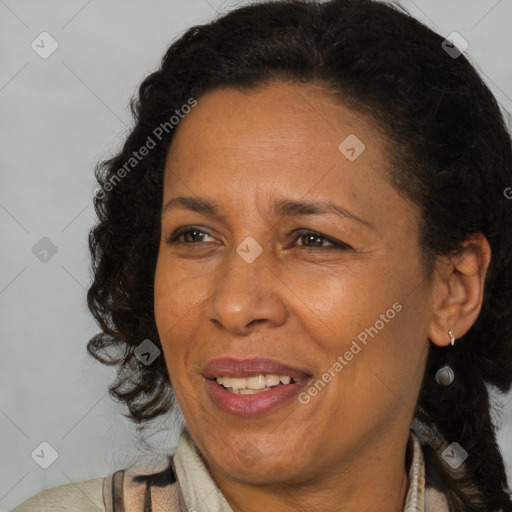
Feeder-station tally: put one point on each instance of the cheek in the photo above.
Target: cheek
(374, 316)
(177, 301)
(176, 295)
(350, 298)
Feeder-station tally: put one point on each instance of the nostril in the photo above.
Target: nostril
(258, 320)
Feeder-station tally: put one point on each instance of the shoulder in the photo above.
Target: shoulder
(86, 496)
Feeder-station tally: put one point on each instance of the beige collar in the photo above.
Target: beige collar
(201, 494)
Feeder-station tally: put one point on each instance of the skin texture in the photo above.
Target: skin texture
(301, 302)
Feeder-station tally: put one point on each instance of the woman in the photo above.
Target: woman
(307, 234)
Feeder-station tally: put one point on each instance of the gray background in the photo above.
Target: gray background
(59, 116)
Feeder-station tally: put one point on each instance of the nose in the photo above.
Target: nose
(247, 296)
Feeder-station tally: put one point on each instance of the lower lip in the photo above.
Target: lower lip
(253, 405)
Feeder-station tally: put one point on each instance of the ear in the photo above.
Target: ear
(458, 289)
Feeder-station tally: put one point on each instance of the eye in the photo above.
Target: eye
(196, 235)
(317, 239)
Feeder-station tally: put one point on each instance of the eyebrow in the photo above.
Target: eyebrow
(281, 208)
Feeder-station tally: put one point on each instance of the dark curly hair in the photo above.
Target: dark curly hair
(451, 156)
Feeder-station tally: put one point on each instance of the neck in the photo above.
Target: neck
(377, 480)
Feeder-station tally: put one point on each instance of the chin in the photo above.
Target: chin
(257, 459)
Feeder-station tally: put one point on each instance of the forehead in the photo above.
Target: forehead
(246, 150)
(295, 130)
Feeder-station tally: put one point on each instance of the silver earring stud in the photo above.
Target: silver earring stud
(445, 376)
(452, 338)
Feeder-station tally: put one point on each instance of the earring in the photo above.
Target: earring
(452, 338)
(445, 376)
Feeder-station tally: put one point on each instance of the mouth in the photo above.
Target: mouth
(248, 387)
(255, 384)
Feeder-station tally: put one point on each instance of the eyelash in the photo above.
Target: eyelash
(298, 234)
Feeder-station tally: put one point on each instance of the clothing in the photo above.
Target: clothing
(186, 485)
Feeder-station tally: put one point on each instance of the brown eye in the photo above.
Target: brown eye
(194, 235)
(314, 240)
(309, 239)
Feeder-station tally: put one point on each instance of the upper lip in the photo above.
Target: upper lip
(232, 367)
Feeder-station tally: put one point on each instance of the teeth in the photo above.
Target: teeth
(249, 391)
(238, 383)
(256, 383)
(271, 380)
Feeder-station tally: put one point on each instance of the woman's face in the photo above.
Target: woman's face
(269, 281)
